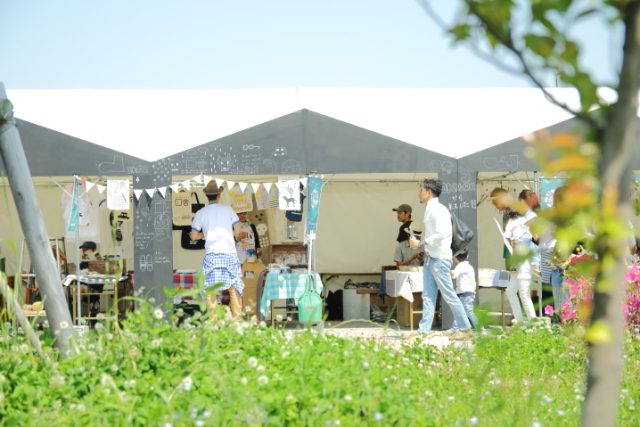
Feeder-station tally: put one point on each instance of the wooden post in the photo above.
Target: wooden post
(24, 195)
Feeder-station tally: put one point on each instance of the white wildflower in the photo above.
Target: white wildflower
(64, 325)
(348, 397)
(260, 369)
(157, 313)
(186, 383)
(243, 381)
(377, 416)
(56, 381)
(252, 362)
(262, 380)
(156, 342)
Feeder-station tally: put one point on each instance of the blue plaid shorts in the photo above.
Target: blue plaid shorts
(223, 268)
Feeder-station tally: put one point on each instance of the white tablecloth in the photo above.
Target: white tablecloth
(412, 282)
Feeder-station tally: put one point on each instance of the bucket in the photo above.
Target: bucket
(310, 304)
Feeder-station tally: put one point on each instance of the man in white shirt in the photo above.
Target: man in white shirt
(218, 224)
(437, 244)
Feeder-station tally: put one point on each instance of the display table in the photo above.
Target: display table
(98, 285)
(283, 286)
(412, 281)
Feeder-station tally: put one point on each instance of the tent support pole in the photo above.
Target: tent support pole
(35, 232)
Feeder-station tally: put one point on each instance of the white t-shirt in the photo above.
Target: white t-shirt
(515, 228)
(216, 221)
(465, 277)
(88, 210)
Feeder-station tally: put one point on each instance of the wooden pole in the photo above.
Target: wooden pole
(24, 195)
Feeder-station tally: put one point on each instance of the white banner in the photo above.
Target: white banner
(118, 194)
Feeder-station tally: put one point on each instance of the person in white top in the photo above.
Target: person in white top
(465, 277)
(437, 233)
(218, 224)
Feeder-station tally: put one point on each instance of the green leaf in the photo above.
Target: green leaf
(540, 45)
(461, 32)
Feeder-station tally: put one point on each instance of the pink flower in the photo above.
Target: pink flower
(548, 310)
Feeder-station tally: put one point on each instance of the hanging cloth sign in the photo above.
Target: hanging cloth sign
(118, 194)
(548, 188)
(74, 217)
(181, 209)
(313, 197)
(289, 199)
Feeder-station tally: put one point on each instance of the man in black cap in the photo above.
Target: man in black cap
(89, 253)
(218, 225)
(403, 213)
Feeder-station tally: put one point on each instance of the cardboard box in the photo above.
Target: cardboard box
(376, 299)
(404, 307)
(250, 273)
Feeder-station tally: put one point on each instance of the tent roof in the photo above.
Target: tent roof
(153, 124)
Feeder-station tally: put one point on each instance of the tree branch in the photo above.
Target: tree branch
(526, 70)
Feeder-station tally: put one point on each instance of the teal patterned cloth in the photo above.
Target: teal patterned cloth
(283, 286)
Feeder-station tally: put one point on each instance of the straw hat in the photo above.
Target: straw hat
(416, 227)
(212, 188)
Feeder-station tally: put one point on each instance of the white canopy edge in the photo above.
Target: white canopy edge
(153, 124)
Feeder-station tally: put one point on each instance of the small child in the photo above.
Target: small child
(465, 286)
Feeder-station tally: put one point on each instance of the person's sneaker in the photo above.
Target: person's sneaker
(448, 332)
(461, 335)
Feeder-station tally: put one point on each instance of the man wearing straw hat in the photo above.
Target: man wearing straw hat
(219, 226)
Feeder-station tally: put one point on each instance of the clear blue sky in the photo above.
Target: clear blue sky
(237, 44)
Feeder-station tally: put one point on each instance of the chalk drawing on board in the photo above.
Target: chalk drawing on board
(280, 151)
(161, 224)
(149, 263)
(175, 165)
(225, 163)
(435, 165)
(466, 177)
(271, 164)
(503, 164)
(514, 162)
(490, 162)
(143, 263)
(290, 166)
(246, 147)
(116, 166)
(447, 167)
(252, 170)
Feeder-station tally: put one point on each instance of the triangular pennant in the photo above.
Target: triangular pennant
(267, 186)
(197, 178)
(186, 183)
(230, 185)
(150, 191)
(137, 193)
(175, 187)
(255, 186)
(101, 188)
(206, 179)
(243, 186)
(219, 182)
(304, 181)
(162, 191)
(89, 185)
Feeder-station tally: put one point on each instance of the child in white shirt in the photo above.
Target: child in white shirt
(465, 286)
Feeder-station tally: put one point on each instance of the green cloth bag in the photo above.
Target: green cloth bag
(310, 303)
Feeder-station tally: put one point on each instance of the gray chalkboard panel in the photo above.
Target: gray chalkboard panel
(51, 153)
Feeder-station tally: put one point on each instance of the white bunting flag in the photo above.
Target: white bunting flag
(230, 184)
(206, 179)
(267, 186)
(219, 182)
(137, 193)
(101, 188)
(197, 178)
(243, 186)
(150, 191)
(186, 183)
(175, 187)
(89, 185)
(304, 181)
(162, 191)
(255, 186)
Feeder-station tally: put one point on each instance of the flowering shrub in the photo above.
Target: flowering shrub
(242, 374)
(580, 288)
